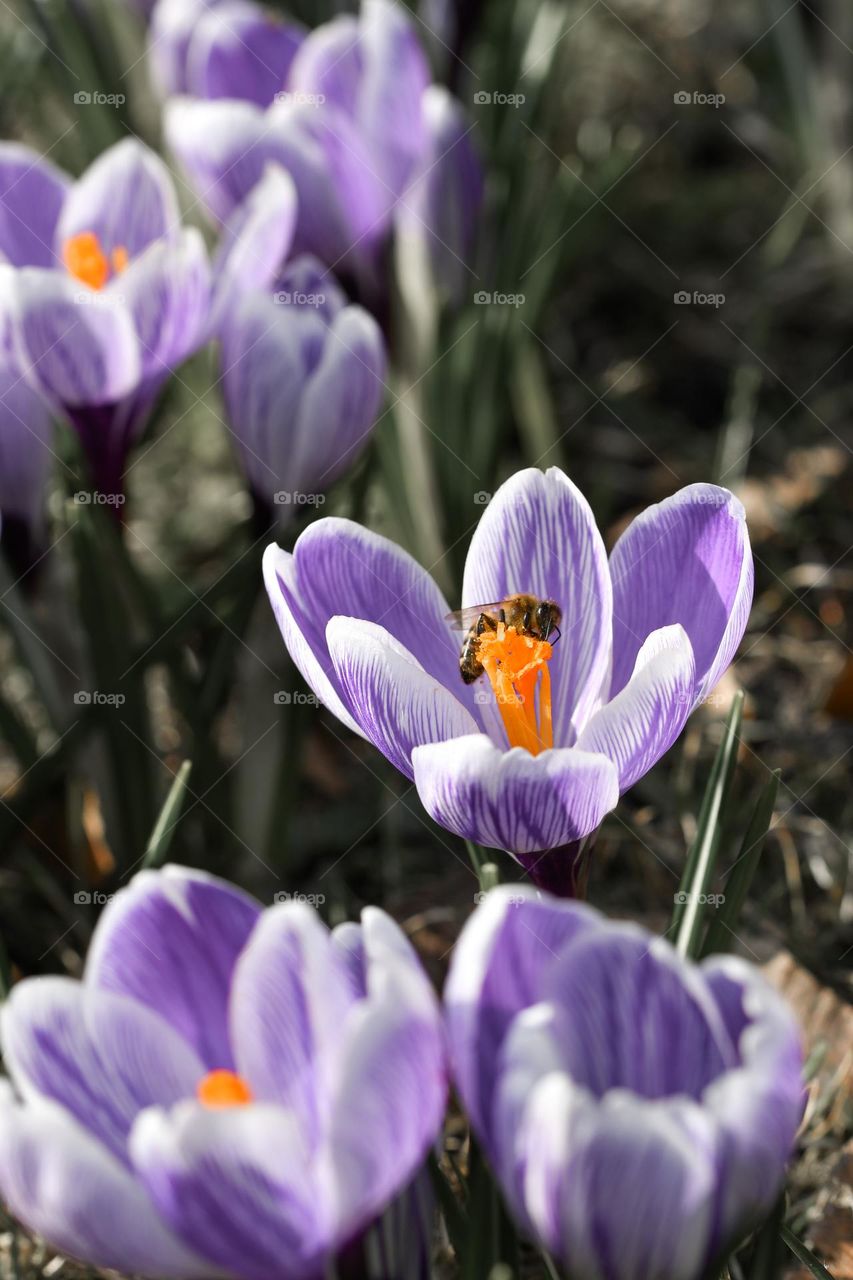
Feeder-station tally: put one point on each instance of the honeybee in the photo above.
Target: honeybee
(529, 615)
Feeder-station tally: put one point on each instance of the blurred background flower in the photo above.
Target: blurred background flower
(105, 297)
(303, 381)
(348, 110)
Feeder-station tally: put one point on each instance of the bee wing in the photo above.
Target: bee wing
(463, 619)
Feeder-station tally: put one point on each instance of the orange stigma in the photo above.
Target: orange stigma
(516, 664)
(221, 1089)
(84, 259)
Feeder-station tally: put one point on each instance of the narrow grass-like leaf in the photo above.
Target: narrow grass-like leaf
(767, 1254)
(17, 735)
(491, 1238)
(723, 926)
(5, 971)
(454, 1215)
(805, 1255)
(125, 722)
(687, 918)
(24, 631)
(164, 827)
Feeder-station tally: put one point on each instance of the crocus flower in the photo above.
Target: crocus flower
(355, 125)
(533, 755)
(229, 1091)
(373, 71)
(303, 383)
(637, 1109)
(221, 49)
(225, 146)
(104, 293)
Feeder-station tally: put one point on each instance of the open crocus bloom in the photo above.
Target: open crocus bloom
(104, 293)
(228, 1092)
(532, 762)
(637, 1109)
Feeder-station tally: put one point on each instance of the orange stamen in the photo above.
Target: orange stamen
(84, 259)
(220, 1089)
(517, 667)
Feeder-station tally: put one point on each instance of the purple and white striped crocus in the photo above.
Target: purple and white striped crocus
(303, 382)
(104, 293)
(356, 124)
(637, 1109)
(534, 762)
(229, 1091)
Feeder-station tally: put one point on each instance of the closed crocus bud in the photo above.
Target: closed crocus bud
(437, 216)
(637, 1109)
(230, 49)
(225, 147)
(230, 1091)
(373, 71)
(303, 380)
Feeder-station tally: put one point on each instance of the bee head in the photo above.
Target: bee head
(548, 615)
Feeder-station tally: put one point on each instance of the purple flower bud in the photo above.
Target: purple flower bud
(303, 380)
(637, 1109)
(225, 49)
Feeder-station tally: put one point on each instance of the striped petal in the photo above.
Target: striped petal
(397, 704)
(686, 560)
(636, 727)
(510, 799)
(538, 536)
(65, 1186)
(171, 940)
